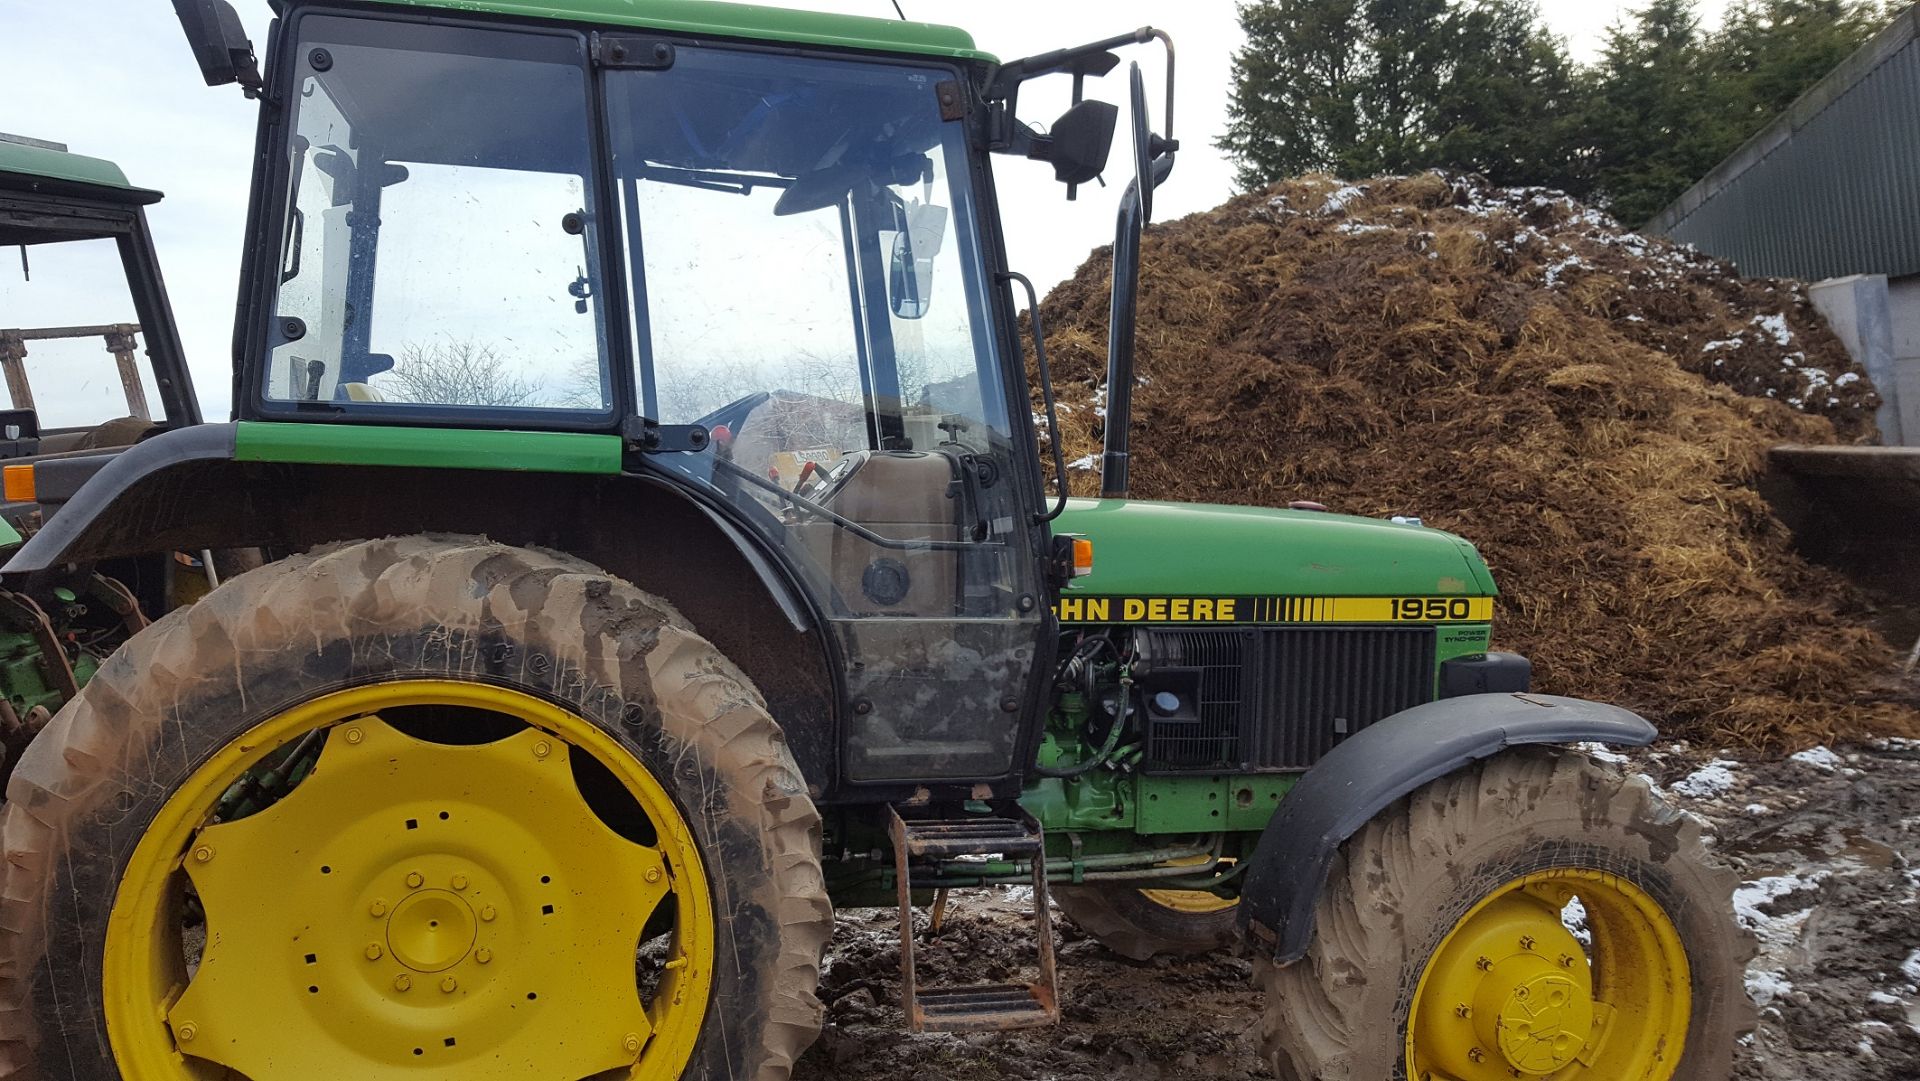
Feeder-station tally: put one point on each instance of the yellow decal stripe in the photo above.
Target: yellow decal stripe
(1217, 609)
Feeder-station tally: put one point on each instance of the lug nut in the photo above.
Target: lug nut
(483, 955)
(354, 735)
(1566, 961)
(449, 985)
(203, 854)
(186, 1032)
(542, 749)
(402, 982)
(1463, 1010)
(1476, 1054)
(631, 1043)
(415, 880)
(377, 908)
(374, 951)
(487, 914)
(653, 874)
(1526, 942)
(1484, 963)
(459, 882)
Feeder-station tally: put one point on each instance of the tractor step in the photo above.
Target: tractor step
(977, 1007)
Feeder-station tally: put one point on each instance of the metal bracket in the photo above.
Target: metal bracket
(632, 51)
(652, 437)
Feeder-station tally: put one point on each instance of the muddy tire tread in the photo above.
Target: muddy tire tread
(336, 588)
(1323, 1019)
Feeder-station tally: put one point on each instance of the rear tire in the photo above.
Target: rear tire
(1528, 830)
(644, 690)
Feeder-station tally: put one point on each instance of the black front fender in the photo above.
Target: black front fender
(1380, 764)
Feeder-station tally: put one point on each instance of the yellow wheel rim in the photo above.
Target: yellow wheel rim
(1191, 902)
(1512, 992)
(414, 909)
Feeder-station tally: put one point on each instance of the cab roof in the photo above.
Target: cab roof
(752, 21)
(40, 166)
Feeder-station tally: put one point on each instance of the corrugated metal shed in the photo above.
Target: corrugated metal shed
(1832, 186)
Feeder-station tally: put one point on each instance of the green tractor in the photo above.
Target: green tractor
(632, 425)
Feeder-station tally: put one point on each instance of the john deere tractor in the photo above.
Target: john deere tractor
(631, 419)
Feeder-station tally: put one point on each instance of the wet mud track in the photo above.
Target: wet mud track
(1827, 844)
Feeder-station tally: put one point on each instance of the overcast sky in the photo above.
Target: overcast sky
(113, 78)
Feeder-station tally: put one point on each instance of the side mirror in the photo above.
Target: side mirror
(910, 277)
(1080, 142)
(220, 44)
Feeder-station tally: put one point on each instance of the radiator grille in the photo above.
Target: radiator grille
(1281, 697)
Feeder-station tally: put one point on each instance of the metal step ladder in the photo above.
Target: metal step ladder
(976, 1007)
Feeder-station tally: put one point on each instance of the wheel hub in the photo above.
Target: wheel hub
(431, 931)
(421, 908)
(1510, 994)
(1543, 1018)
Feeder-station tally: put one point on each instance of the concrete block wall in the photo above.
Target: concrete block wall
(1879, 323)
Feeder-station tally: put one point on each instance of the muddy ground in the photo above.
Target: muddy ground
(1828, 843)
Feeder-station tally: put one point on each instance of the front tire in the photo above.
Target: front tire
(1143, 924)
(522, 821)
(1448, 939)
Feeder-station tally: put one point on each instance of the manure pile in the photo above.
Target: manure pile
(1589, 406)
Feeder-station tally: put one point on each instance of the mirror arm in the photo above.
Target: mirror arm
(1094, 58)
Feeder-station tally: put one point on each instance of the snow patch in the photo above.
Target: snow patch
(1819, 758)
(1337, 200)
(1713, 779)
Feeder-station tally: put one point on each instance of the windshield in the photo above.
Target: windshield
(801, 229)
(439, 248)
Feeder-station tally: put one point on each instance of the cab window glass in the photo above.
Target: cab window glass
(75, 380)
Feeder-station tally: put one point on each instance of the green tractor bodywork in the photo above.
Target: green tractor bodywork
(798, 411)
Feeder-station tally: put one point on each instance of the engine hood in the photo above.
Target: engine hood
(1147, 548)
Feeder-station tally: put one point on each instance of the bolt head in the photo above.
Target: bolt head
(449, 985)
(483, 955)
(542, 749)
(1476, 1054)
(354, 735)
(1463, 1010)
(402, 982)
(487, 914)
(1484, 963)
(631, 1043)
(1566, 960)
(415, 880)
(186, 1032)
(1526, 942)
(374, 951)
(653, 874)
(377, 908)
(203, 854)
(459, 882)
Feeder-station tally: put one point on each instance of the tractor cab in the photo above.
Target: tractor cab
(766, 270)
(87, 342)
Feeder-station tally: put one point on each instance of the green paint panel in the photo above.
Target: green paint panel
(1143, 548)
(1209, 804)
(9, 536)
(707, 17)
(432, 448)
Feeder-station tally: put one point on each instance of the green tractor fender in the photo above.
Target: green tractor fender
(1382, 763)
(186, 489)
(221, 486)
